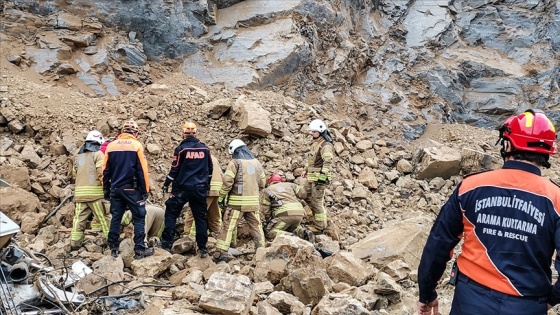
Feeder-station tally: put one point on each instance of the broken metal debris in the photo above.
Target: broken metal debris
(28, 287)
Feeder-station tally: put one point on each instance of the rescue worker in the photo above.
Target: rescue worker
(318, 171)
(155, 218)
(126, 185)
(190, 173)
(88, 193)
(282, 209)
(242, 181)
(509, 219)
(213, 211)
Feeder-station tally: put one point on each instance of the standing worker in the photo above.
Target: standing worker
(214, 213)
(510, 221)
(88, 194)
(318, 171)
(126, 184)
(282, 209)
(190, 173)
(242, 181)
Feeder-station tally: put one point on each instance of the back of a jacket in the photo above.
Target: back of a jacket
(191, 165)
(282, 198)
(510, 225)
(242, 181)
(125, 165)
(216, 182)
(87, 170)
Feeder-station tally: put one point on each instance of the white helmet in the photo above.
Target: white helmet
(96, 136)
(234, 145)
(317, 125)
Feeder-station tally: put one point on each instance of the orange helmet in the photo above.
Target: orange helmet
(530, 131)
(189, 129)
(130, 127)
(275, 178)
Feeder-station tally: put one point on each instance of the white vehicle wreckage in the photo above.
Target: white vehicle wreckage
(29, 284)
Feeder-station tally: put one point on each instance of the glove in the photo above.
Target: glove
(323, 179)
(168, 181)
(221, 202)
(145, 196)
(164, 189)
(107, 195)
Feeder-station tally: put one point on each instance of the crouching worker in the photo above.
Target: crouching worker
(155, 219)
(283, 210)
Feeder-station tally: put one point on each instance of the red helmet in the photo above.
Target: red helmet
(531, 131)
(275, 178)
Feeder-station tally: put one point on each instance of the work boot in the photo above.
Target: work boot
(324, 252)
(115, 252)
(203, 253)
(154, 241)
(222, 256)
(142, 253)
(309, 236)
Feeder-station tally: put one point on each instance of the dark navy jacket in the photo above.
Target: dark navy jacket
(510, 222)
(125, 166)
(191, 166)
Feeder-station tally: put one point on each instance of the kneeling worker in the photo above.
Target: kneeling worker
(282, 209)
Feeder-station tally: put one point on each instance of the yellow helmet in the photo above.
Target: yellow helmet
(130, 127)
(189, 129)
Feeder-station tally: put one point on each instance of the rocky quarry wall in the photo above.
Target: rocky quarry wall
(383, 74)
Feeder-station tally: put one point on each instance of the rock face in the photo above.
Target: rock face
(261, 43)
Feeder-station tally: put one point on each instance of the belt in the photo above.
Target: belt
(468, 280)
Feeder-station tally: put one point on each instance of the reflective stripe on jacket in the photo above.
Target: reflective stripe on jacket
(87, 169)
(242, 182)
(320, 159)
(281, 198)
(216, 182)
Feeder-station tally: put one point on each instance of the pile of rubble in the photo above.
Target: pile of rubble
(382, 198)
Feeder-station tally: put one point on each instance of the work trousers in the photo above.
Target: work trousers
(196, 197)
(82, 212)
(121, 199)
(471, 298)
(316, 202)
(284, 224)
(213, 215)
(229, 230)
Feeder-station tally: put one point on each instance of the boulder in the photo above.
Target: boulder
(152, 266)
(225, 293)
(16, 176)
(295, 266)
(337, 303)
(16, 202)
(286, 303)
(252, 118)
(401, 240)
(437, 161)
(345, 267)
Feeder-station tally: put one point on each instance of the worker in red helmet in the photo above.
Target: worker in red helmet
(282, 210)
(509, 220)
